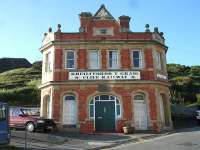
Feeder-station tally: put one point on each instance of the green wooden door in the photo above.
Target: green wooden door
(105, 116)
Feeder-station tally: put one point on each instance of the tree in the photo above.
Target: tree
(185, 83)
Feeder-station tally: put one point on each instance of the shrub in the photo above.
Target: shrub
(25, 96)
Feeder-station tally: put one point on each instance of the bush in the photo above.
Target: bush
(25, 96)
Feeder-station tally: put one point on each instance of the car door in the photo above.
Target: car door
(11, 117)
(16, 118)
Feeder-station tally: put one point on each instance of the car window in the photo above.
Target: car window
(15, 112)
(30, 111)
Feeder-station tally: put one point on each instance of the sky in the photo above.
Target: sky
(24, 22)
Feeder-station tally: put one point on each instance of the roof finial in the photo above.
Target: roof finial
(59, 28)
(102, 5)
(156, 30)
(147, 28)
(50, 29)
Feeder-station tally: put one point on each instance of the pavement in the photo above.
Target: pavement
(72, 141)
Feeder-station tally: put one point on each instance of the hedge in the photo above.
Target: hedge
(24, 96)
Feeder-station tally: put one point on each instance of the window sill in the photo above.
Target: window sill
(113, 69)
(71, 69)
(94, 69)
(137, 68)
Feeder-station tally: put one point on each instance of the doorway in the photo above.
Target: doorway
(140, 112)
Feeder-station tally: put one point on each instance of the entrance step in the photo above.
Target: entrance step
(69, 130)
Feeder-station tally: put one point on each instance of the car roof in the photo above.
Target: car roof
(3, 103)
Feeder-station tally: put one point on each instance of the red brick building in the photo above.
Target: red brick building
(105, 76)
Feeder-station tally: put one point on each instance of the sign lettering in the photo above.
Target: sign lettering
(105, 75)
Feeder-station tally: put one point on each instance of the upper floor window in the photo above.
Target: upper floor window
(137, 59)
(48, 62)
(70, 59)
(94, 59)
(113, 59)
(158, 60)
(103, 31)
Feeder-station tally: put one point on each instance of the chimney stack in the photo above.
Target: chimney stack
(124, 23)
(85, 19)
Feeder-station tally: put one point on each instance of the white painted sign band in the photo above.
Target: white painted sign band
(105, 75)
(160, 76)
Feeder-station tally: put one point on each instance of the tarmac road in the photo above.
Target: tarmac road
(186, 139)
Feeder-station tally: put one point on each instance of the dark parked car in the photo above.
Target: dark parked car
(25, 118)
(198, 116)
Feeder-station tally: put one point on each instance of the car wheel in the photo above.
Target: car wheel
(30, 127)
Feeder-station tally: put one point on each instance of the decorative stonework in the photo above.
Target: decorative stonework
(103, 14)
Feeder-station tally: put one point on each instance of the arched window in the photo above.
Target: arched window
(104, 98)
(69, 97)
(139, 96)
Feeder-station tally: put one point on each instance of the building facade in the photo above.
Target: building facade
(105, 76)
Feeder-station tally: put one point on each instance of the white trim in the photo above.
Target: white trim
(51, 103)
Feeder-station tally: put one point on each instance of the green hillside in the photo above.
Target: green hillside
(19, 86)
(13, 63)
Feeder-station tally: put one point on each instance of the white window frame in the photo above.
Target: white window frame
(48, 61)
(141, 59)
(108, 58)
(158, 60)
(98, 59)
(71, 50)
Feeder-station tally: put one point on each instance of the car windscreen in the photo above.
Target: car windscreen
(30, 111)
(2, 113)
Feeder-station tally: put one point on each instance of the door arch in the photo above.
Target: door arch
(104, 109)
(164, 111)
(140, 111)
(47, 106)
(69, 110)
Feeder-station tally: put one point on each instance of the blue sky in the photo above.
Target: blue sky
(23, 23)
